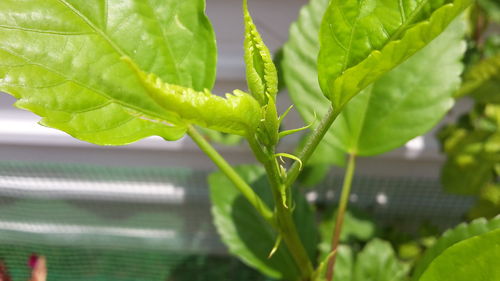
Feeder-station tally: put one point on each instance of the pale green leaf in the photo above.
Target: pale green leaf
(378, 262)
(301, 77)
(237, 114)
(61, 59)
(362, 40)
(262, 77)
(449, 238)
(402, 104)
(247, 234)
(477, 258)
(405, 102)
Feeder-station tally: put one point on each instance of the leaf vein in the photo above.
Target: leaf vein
(52, 32)
(130, 106)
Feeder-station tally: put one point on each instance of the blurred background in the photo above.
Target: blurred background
(142, 212)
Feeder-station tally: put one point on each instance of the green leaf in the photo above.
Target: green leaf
(343, 265)
(378, 262)
(247, 234)
(237, 114)
(407, 101)
(262, 77)
(473, 148)
(473, 259)
(301, 77)
(358, 226)
(482, 81)
(362, 40)
(402, 104)
(61, 59)
(451, 237)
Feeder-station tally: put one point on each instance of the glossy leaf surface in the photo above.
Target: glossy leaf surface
(451, 237)
(473, 259)
(61, 59)
(247, 234)
(262, 77)
(407, 101)
(404, 103)
(362, 40)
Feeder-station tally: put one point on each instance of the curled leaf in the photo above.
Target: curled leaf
(262, 77)
(362, 40)
(237, 113)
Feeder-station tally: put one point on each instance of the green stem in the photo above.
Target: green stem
(344, 199)
(242, 186)
(311, 144)
(286, 225)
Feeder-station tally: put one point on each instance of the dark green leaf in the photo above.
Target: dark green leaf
(362, 40)
(61, 59)
(451, 237)
(247, 234)
(476, 258)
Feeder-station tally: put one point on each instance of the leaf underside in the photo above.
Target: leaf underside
(61, 59)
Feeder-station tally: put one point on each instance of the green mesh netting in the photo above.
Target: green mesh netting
(115, 223)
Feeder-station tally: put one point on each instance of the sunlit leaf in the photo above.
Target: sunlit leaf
(262, 77)
(475, 258)
(451, 237)
(61, 59)
(402, 104)
(301, 77)
(362, 40)
(237, 113)
(482, 81)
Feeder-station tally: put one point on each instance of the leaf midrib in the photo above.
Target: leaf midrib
(403, 27)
